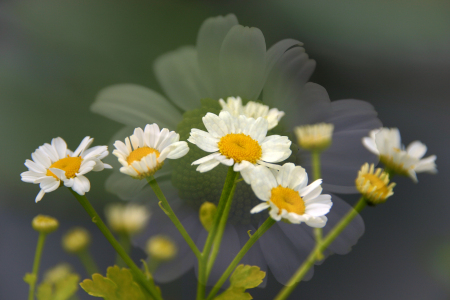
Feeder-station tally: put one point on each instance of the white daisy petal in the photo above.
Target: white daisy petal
(83, 145)
(305, 191)
(39, 196)
(60, 146)
(215, 125)
(206, 166)
(260, 207)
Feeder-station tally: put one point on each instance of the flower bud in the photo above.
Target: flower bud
(315, 137)
(76, 239)
(45, 224)
(161, 247)
(128, 219)
(206, 214)
(57, 273)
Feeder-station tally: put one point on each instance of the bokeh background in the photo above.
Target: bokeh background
(56, 55)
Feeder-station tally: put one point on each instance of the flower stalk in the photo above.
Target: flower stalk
(36, 263)
(149, 287)
(309, 262)
(170, 213)
(254, 237)
(228, 188)
(317, 174)
(88, 261)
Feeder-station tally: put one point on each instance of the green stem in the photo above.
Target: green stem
(230, 181)
(261, 230)
(169, 212)
(315, 160)
(36, 263)
(124, 240)
(88, 262)
(220, 231)
(309, 262)
(149, 287)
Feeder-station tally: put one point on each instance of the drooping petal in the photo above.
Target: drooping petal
(135, 105)
(242, 62)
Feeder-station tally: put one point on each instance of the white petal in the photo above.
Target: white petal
(305, 191)
(284, 175)
(260, 207)
(85, 143)
(317, 222)
(204, 140)
(81, 185)
(258, 130)
(416, 149)
(39, 196)
(369, 143)
(262, 182)
(206, 158)
(60, 146)
(206, 166)
(35, 167)
(177, 150)
(215, 125)
(151, 135)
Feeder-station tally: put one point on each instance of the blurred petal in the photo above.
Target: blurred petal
(135, 105)
(209, 41)
(179, 75)
(242, 62)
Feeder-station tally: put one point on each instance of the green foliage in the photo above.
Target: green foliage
(63, 289)
(29, 278)
(117, 285)
(244, 277)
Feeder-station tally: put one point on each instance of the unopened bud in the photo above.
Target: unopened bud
(76, 239)
(206, 214)
(161, 247)
(45, 224)
(128, 219)
(315, 137)
(373, 184)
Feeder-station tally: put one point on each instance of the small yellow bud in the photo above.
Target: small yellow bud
(44, 224)
(57, 273)
(315, 137)
(76, 239)
(207, 213)
(161, 247)
(373, 184)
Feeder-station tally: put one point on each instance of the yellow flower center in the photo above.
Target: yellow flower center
(288, 199)
(239, 147)
(379, 185)
(71, 165)
(139, 153)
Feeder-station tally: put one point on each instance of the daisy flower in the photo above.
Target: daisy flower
(289, 197)
(237, 141)
(144, 152)
(386, 143)
(252, 110)
(53, 163)
(373, 184)
(230, 60)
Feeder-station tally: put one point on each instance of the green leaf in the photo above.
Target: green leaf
(62, 289)
(247, 277)
(244, 277)
(117, 285)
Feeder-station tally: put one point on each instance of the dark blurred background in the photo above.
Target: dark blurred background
(56, 55)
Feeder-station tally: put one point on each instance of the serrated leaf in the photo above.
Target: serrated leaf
(117, 285)
(244, 277)
(247, 277)
(66, 287)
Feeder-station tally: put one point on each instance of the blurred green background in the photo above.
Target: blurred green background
(56, 55)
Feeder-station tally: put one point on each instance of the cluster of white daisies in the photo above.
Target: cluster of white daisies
(236, 137)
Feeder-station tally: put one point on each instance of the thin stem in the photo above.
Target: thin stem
(169, 212)
(315, 160)
(36, 263)
(203, 262)
(124, 240)
(88, 262)
(309, 262)
(149, 287)
(261, 230)
(220, 231)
